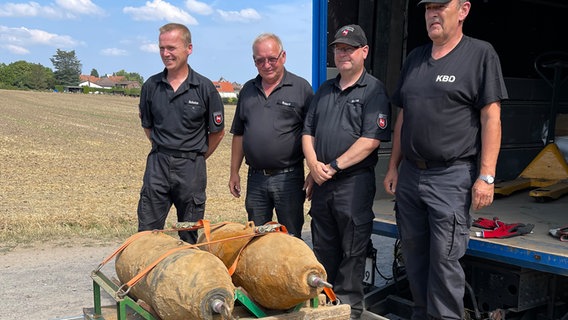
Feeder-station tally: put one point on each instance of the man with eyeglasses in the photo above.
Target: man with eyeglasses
(266, 132)
(346, 122)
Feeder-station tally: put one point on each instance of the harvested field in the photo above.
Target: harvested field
(72, 167)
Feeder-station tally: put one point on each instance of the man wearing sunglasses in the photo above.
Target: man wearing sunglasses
(266, 132)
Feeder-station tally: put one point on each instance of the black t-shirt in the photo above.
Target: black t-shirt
(181, 120)
(442, 100)
(272, 126)
(338, 118)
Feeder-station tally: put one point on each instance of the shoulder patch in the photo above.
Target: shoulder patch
(382, 121)
(218, 118)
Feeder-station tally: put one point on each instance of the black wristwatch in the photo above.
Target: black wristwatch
(333, 164)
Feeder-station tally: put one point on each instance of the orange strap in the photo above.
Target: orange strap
(122, 247)
(200, 224)
(151, 266)
(330, 294)
(205, 224)
(233, 266)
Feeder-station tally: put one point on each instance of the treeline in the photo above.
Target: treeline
(24, 75)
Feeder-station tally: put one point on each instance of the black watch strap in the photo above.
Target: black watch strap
(333, 164)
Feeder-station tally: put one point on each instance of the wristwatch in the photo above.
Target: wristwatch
(333, 164)
(487, 178)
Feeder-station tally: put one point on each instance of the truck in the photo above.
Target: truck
(523, 277)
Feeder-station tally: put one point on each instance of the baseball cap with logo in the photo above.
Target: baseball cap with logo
(352, 35)
(433, 1)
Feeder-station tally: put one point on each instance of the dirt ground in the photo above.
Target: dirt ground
(51, 281)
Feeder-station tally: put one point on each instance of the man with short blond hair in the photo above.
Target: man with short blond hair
(183, 117)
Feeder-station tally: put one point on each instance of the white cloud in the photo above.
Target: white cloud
(16, 49)
(244, 15)
(160, 10)
(115, 52)
(61, 9)
(198, 7)
(85, 7)
(25, 37)
(150, 47)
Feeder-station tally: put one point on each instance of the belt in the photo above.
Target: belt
(349, 173)
(177, 153)
(271, 172)
(423, 165)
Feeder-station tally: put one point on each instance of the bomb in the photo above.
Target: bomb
(187, 284)
(277, 270)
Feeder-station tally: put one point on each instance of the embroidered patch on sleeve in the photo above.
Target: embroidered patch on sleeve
(218, 118)
(382, 121)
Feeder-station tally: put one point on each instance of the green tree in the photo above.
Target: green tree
(130, 76)
(95, 73)
(25, 75)
(67, 67)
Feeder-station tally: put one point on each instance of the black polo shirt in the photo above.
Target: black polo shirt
(338, 118)
(272, 126)
(181, 120)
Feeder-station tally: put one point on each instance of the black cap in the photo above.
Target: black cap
(433, 1)
(352, 35)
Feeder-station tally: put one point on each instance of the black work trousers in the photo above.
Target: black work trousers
(172, 180)
(342, 221)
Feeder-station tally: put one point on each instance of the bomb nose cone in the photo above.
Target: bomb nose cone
(317, 282)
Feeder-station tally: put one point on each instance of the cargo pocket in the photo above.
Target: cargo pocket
(196, 209)
(460, 238)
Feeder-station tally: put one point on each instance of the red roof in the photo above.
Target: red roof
(224, 86)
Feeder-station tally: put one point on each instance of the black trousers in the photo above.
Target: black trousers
(172, 180)
(342, 222)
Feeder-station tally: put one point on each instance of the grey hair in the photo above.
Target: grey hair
(266, 36)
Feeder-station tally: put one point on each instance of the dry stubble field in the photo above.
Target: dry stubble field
(71, 168)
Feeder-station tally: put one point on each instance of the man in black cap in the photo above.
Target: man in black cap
(450, 94)
(346, 122)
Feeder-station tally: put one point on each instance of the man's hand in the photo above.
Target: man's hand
(482, 194)
(309, 187)
(320, 172)
(235, 185)
(390, 181)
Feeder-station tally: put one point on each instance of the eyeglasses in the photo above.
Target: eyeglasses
(346, 50)
(259, 62)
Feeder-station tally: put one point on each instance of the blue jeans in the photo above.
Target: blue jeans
(282, 193)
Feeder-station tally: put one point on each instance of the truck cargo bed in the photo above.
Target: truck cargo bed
(538, 250)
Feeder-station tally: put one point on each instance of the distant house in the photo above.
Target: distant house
(127, 84)
(89, 84)
(108, 82)
(225, 89)
(88, 81)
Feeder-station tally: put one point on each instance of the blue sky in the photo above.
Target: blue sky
(111, 35)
